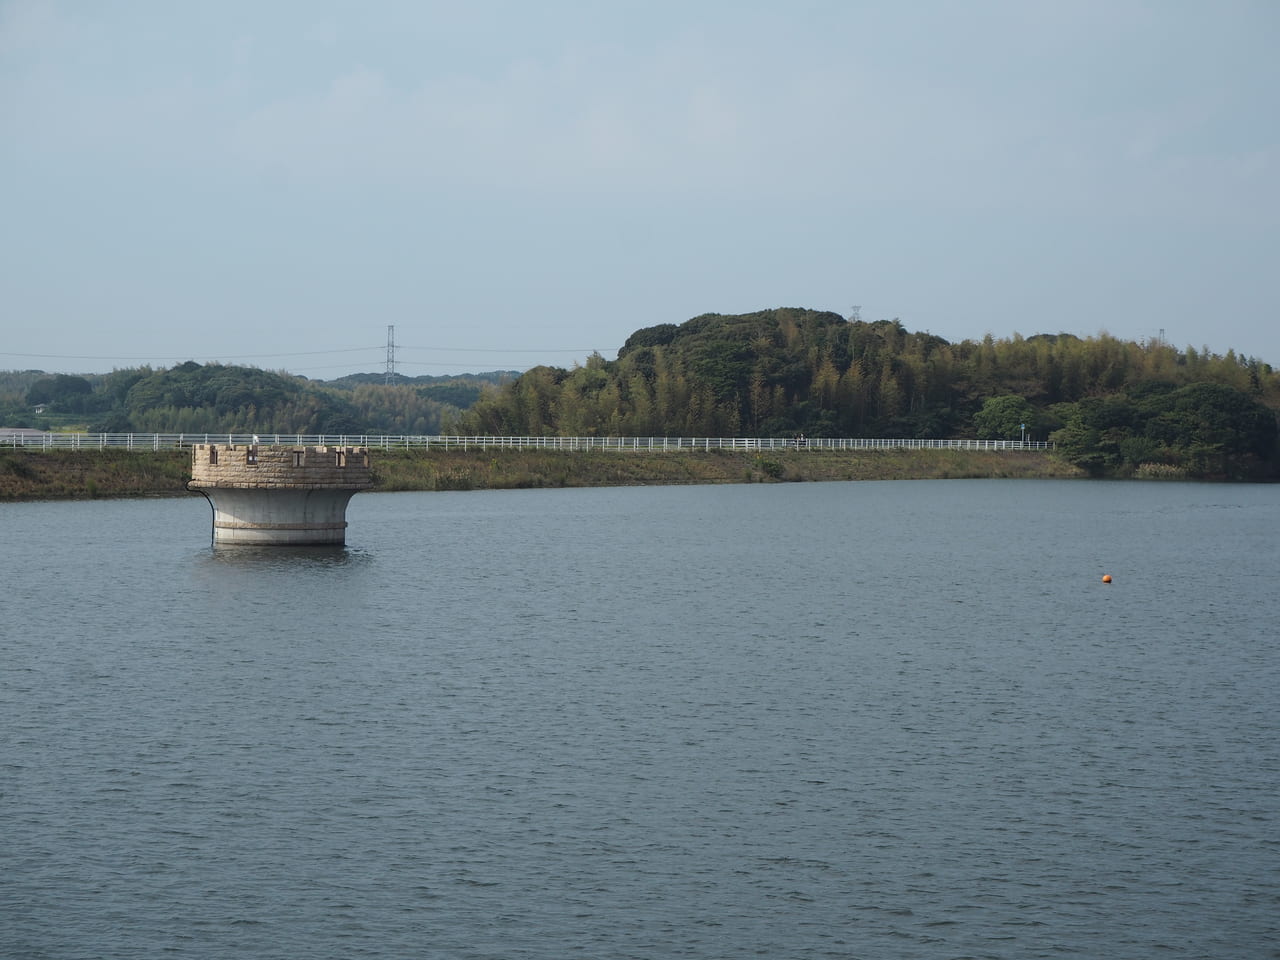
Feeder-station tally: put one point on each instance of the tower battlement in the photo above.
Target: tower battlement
(279, 494)
(268, 466)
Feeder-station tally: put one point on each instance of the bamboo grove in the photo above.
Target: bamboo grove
(1114, 405)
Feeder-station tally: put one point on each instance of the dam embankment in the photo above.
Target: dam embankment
(86, 474)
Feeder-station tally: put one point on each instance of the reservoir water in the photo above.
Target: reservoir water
(858, 720)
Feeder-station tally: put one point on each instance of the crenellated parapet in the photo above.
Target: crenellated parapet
(279, 494)
(267, 466)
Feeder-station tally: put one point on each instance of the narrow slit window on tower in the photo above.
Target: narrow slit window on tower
(297, 458)
(251, 455)
(213, 456)
(342, 458)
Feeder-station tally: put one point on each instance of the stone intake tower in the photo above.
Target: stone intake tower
(278, 494)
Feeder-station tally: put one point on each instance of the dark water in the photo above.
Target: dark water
(869, 720)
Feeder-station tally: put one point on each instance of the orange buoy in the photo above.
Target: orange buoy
(1106, 578)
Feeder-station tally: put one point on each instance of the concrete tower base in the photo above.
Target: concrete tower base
(290, 517)
(279, 495)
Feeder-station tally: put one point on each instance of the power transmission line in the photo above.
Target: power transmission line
(391, 353)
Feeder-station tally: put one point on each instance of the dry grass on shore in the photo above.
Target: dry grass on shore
(507, 469)
(85, 474)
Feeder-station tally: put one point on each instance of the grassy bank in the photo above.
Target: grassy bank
(84, 474)
(507, 469)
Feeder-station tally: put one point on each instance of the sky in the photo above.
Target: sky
(509, 184)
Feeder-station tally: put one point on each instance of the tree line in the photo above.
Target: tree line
(216, 398)
(1112, 405)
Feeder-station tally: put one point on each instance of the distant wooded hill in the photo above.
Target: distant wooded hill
(1114, 407)
(214, 398)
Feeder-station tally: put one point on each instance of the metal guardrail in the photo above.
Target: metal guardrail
(176, 441)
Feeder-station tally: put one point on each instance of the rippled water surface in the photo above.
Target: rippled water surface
(824, 720)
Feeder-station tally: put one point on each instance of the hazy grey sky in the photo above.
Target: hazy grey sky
(514, 183)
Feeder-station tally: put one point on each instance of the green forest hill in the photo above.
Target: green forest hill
(215, 398)
(1112, 407)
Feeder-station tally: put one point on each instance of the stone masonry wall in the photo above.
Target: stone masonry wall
(265, 466)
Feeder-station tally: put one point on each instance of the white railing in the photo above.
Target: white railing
(174, 441)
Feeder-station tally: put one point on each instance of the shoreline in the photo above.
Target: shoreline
(98, 474)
